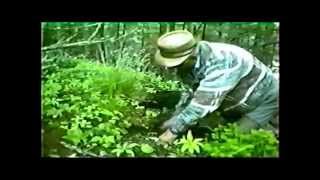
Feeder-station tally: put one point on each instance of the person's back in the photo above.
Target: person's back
(224, 78)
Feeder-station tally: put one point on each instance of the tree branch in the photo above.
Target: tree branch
(71, 37)
(59, 45)
(102, 54)
(81, 43)
(72, 27)
(79, 151)
(95, 32)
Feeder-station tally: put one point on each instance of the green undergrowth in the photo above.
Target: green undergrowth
(98, 113)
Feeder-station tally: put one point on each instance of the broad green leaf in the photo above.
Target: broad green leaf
(74, 135)
(198, 140)
(112, 121)
(125, 145)
(146, 148)
(183, 140)
(191, 150)
(108, 139)
(107, 112)
(123, 131)
(106, 145)
(132, 145)
(114, 150)
(96, 139)
(103, 153)
(117, 152)
(197, 149)
(130, 152)
(184, 148)
(118, 113)
(189, 135)
(102, 126)
(115, 118)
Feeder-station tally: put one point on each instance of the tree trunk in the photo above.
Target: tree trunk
(98, 53)
(117, 43)
(189, 27)
(123, 29)
(172, 26)
(87, 35)
(163, 28)
(220, 32)
(102, 45)
(142, 36)
(118, 30)
(204, 31)
(123, 41)
(194, 31)
(105, 45)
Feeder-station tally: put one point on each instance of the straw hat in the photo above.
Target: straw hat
(174, 48)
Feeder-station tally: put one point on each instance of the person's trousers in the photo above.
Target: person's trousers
(266, 115)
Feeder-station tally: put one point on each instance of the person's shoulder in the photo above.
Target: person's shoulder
(202, 46)
(202, 42)
(221, 45)
(215, 46)
(226, 47)
(211, 49)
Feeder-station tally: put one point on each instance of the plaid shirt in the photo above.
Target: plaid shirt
(218, 70)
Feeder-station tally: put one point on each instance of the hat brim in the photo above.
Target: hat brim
(169, 62)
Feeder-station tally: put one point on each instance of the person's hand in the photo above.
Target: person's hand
(168, 137)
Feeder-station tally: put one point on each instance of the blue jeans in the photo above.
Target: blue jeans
(267, 111)
(264, 115)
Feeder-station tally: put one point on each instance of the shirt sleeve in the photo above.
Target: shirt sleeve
(219, 79)
(185, 97)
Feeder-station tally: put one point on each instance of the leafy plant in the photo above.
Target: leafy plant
(190, 144)
(228, 141)
(92, 104)
(75, 135)
(106, 141)
(125, 148)
(146, 148)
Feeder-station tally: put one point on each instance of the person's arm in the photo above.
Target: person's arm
(183, 102)
(185, 98)
(218, 81)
